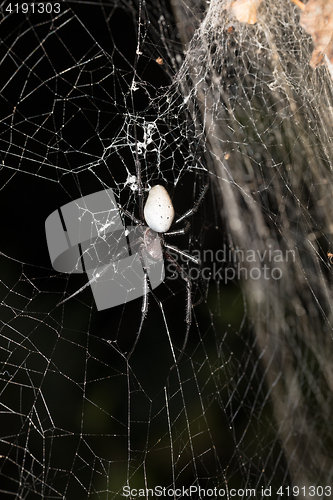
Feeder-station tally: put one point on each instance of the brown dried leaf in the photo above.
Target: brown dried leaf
(245, 11)
(299, 4)
(317, 20)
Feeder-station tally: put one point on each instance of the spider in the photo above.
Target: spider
(158, 213)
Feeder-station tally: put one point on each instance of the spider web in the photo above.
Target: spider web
(249, 404)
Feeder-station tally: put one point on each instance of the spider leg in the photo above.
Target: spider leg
(204, 282)
(181, 252)
(130, 216)
(179, 231)
(144, 307)
(123, 253)
(188, 314)
(195, 207)
(93, 279)
(140, 190)
(138, 171)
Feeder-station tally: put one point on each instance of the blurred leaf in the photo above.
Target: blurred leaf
(245, 11)
(317, 20)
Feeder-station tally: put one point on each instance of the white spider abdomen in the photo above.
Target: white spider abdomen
(158, 210)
